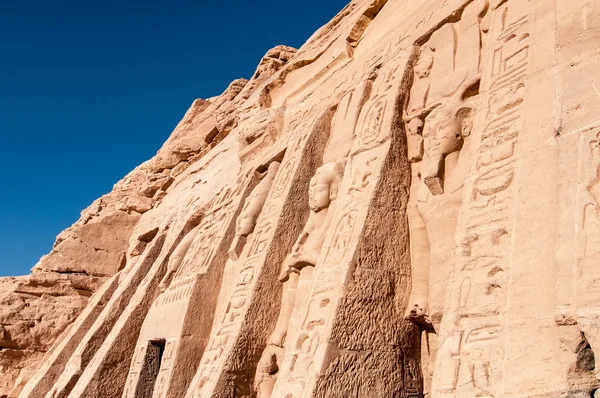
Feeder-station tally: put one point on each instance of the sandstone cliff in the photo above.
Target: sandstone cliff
(406, 206)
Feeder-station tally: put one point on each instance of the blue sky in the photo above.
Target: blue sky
(90, 89)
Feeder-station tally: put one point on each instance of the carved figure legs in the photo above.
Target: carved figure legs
(417, 310)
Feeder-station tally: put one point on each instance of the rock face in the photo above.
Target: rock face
(406, 206)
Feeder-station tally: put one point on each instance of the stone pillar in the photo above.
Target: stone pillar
(66, 363)
(352, 338)
(239, 334)
(53, 365)
(498, 323)
(182, 315)
(577, 250)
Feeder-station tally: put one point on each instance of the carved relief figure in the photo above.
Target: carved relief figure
(433, 216)
(246, 221)
(244, 228)
(439, 196)
(588, 310)
(177, 257)
(297, 270)
(439, 121)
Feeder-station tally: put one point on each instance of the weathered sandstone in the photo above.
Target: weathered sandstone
(406, 206)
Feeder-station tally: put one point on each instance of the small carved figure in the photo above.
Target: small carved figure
(588, 311)
(177, 257)
(414, 138)
(297, 270)
(244, 228)
(253, 205)
(594, 189)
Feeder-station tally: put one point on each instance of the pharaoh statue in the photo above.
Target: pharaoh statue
(298, 269)
(438, 123)
(587, 291)
(246, 221)
(436, 196)
(434, 207)
(244, 228)
(177, 257)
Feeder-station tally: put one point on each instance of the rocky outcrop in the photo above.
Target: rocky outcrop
(406, 206)
(34, 311)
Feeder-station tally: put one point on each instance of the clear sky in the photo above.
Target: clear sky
(90, 89)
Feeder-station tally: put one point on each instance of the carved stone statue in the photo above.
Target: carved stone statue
(433, 217)
(177, 257)
(246, 221)
(588, 310)
(244, 228)
(298, 268)
(322, 192)
(439, 119)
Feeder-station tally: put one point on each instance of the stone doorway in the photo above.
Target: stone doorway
(150, 368)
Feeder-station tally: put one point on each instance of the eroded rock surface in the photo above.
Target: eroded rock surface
(406, 206)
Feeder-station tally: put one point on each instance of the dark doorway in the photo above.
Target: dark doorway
(149, 372)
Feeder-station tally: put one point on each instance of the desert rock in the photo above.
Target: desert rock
(406, 206)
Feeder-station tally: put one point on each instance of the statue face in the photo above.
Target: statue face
(443, 135)
(319, 194)
(246, 221)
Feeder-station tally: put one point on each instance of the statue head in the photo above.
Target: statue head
(414, 139)
(254, 203)
(445, 130)
(424, 64)
(324, 186)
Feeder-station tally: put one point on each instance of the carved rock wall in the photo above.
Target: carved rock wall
(406, 206)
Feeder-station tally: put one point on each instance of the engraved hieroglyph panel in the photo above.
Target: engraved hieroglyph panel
(228, 344)
(471, 348)
(313, 348)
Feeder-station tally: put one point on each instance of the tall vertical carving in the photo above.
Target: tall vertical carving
(298, 266)
(194, 270)
(471, 348)
(337, 346)
(235, 343)
(443, 101)
(577, 311)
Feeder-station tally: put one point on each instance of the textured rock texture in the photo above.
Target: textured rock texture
(406, 206)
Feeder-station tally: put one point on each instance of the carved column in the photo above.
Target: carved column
(352, 339)
(577, 248)
(498, 322)
(182, 315)
(239, 333)
(63, 369)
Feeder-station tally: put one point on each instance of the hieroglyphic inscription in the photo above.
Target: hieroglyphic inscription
(471, 347)
(136, 366)
(306, 349)
(227, 324)
(427, 20)
(210, 236)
